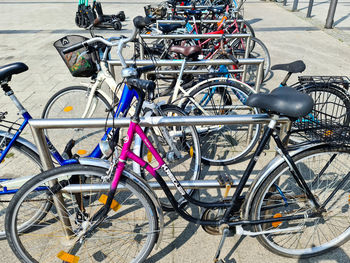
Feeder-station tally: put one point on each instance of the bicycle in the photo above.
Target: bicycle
(297, 193)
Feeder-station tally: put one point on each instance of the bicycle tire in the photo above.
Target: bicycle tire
(70, 102)
(187, 166)
(11, 168)
(331, 105)
(127, 233)
(216, 147)
(323, 168)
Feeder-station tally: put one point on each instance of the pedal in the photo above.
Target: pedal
(227, 181)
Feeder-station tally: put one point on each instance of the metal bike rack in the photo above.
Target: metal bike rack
(38, 126)
(204, 21)
(209, 62)
(210, 36)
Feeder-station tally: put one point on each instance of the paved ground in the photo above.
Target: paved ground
(28, 29)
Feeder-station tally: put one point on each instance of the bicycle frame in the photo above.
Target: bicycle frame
(230, 207)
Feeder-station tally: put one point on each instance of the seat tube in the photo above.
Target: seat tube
(264, 140)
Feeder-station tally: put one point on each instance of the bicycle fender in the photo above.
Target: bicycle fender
(265, 172)
(20, 140)
(140, 182)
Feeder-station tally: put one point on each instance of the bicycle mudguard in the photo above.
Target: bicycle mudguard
(140, 182)
(265, 172)
(20, 140)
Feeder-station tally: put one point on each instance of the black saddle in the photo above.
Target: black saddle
(7, 71)
(294, 67)
(283, 100)
(167, 28)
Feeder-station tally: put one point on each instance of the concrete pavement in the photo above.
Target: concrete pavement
(28, 29)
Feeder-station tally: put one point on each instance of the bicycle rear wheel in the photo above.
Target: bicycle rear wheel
(324, 169)
(20, 161)
(127, 234)
(223, 144)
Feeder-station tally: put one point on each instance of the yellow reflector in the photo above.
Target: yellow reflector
(67, 257)
(81, 152)
(149, 156)
(277, 224)
(68, 109)
(191, 151)
(114, 206)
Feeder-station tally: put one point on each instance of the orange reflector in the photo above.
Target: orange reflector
(228, 187)
(149, 156)
(191, 151)
(68, 109)
(222, 20)
(81, 152)
(115, 205)
(328, 133)
(67, 257)
(277, 224)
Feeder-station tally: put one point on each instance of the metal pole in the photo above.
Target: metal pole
(331, 13)
(295, 5)
(309, 10)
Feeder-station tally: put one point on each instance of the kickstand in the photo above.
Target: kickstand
(222, 241)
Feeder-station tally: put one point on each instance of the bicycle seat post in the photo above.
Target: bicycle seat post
(9, 92)
(286, 78)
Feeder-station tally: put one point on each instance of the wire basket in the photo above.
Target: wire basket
(330, 118)
(80, 62)
(340, 81)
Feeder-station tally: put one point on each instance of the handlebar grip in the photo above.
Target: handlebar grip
(73, 48)
(233, 58)
(141, 22)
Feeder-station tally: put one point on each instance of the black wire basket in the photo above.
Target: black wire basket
(330, 118)
(80, 62)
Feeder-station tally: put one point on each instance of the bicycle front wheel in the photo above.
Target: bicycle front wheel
(69, 103)
(127, 234)
(325, 171)
(223, 144)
